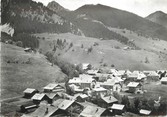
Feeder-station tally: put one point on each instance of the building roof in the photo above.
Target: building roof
(29, 90)
(109, 99)
(141, 76)
(82, 79)
(91, 111)
(117, 106)
(164, 79)
(153, 73)
(86, 103)
(51, 95)
(99, 89)
(145, 112)
(85, 76)
(38, 96)
(65, 104)
(92, 71)
(51, 86)
(133, 84)
(121, 72)
(85, 66)
(81, 95)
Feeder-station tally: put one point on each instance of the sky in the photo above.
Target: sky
(140, 7)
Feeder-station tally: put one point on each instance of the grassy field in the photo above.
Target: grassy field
(109, 52)
(17, 75)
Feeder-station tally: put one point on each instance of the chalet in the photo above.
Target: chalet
(144, 112)
(52, 97)
(118, 109)
(153, 76)
(115, 84)
(115, 72)
(92, 72)
(37, 98)
(29, 92)
(71, 107)
(28, 50)
(83, 82)
(107, 101)
(81, 97)
(53, 87)
(91, 111)
(97, 92)
(102, 77)
(164, 80)
(131, 77)
(86, 66)
(121, 72)
(133, 87)
(141, 77)
(28, 107)
(47, 110)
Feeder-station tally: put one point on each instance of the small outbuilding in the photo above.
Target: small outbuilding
(145, 112)
(29, 92)
(164, 80)
(37, 98)
(118, 109)
(134, 86)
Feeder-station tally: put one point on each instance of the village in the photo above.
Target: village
(98, 93)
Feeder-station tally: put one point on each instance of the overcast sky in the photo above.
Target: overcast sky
(139, 7)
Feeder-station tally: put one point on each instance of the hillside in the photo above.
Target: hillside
(111, 17)
(117, 18)
(158, 17)
(32, 17)
(20, 70)
(107, 52)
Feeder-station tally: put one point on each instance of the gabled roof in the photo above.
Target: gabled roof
(86, 103)
(133, 84)
(51, 95)
(85, 66)
(145, 112)
(141, 76)
(91, 111)
(121, 72)
(164, 79)
(109, 99)
(51, 86)
(153, 73)
(99, 89)
(38, 96)
(85, 76)
(117, 106)
(65, 104)
(29, 90)
(92, 71)
(81, 95)
(82, 79)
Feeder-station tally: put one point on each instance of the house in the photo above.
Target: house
(28, 106)
(86, 66)
(52, 97)
(118, 109)
(92, 72)
(29, 92)
(114, 84)
(92, 111)
(131, 77)
(71, 107)
(101, 77)
(81, 97)
(107, 101)
(145, 112)
(141, 77)
(153, 76)
(47, 110)
(121, 72)
(97, 92)
(28, 50)
(53, 87)
(164, 80)
(133, 87)
(38, 97)
(115, 72)
(83, 82)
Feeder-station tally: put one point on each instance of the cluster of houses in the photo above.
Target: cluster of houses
(90, 94)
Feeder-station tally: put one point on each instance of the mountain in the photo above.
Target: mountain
(31, 17)
(56, 7)
(158, 17)
(122, 19)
